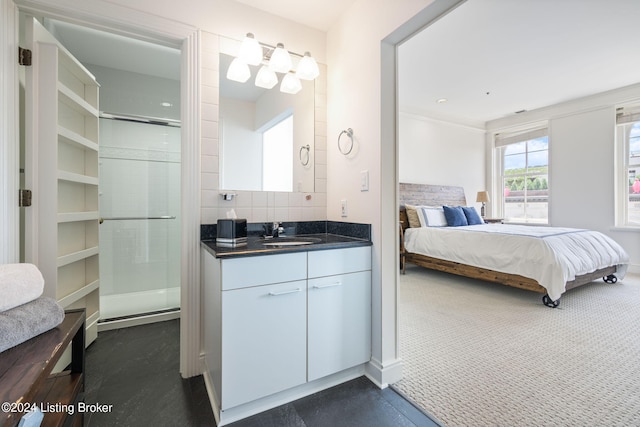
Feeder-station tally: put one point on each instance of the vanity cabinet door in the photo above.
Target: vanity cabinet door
(339, 329)
(263, 341)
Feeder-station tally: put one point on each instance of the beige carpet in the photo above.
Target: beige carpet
(482, 354)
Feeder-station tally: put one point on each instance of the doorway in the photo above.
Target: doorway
(138, 176)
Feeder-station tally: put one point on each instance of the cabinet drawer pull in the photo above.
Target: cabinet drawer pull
(328, 285)
(291, 291)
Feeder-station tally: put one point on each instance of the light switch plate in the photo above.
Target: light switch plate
(364, 180)
(343, 204)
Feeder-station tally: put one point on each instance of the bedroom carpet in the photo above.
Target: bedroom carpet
(483, 354)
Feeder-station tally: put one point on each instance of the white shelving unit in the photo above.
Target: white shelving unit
(66, 194)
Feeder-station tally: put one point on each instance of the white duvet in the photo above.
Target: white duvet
(550, 255)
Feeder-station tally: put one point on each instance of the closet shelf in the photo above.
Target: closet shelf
(77, 178)
(79, 294)
(77, 216)
(77, 256)
(67, 60)
(75, 139)
(75, 102)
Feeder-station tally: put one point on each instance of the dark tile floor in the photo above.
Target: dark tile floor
(137, 371)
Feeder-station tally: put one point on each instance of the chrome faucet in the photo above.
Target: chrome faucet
(278, 229)
(273, 230)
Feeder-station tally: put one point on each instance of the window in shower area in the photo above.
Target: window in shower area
(140, 211)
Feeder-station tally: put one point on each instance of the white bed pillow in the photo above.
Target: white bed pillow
(433, 216)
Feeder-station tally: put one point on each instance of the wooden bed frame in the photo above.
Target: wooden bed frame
(439, 195)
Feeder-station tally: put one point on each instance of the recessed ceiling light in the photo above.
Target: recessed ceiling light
(166, 104)
(442, 100)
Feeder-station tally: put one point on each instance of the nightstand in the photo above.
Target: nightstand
(493, 220)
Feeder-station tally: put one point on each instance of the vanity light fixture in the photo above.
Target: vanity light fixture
(290, 84)
(238, 71)
(280, 61)
(250, 50)
(274, 60)
(307, 68)
(266, 78)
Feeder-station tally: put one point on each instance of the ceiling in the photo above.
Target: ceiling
(110, 50)
(491, 58)
(312, 13)
(488, 58)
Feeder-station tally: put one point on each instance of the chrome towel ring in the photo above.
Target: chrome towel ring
(349, 133)
(308, 148)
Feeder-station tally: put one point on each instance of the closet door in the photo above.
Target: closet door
(61, 169)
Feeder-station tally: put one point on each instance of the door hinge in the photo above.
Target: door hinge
(24, 56)
(24, 198)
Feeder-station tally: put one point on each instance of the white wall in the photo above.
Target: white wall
(582, 169)
(361, 60)
(240, 141)
(436, 152)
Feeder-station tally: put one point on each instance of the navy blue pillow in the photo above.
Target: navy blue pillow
(455, 216)
(472, 215)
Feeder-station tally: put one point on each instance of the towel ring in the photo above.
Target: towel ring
(349, 133)
(308, 148)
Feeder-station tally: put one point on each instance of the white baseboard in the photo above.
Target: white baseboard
(137, 321)
(384, 374)
(224, 417)
(633, 269)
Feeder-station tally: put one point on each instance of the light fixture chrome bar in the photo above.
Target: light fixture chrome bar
(272, 48)
(141, 119)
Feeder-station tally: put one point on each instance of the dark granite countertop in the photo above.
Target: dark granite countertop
(255, 245)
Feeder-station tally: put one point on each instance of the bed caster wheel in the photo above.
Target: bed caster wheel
(610, 278)
(549, 302)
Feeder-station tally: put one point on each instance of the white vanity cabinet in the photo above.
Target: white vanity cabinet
(280, 326)
(339, 305)
(263, 341)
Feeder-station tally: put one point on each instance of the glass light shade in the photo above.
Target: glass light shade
(290, 84)
(280, 61)
(266, 78)
(307, 68)
(250, 50)
(238, 71)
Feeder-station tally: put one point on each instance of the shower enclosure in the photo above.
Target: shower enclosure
(139, 196)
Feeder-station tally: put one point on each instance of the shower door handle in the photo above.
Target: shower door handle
(123, 218)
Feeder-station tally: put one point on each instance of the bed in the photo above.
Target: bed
(548, 260)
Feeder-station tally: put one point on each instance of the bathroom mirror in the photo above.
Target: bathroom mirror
(266, 136)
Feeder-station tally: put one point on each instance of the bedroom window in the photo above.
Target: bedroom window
(524, 168)
(628, 136)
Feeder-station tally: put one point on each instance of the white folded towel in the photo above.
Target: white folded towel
(19, 284)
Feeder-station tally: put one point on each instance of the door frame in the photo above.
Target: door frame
(9, 134)
(126, 22)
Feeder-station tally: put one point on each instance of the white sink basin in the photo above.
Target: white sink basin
(288, 243)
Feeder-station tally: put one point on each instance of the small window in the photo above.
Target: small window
(523, 167)
(277, 156)
(628, 136)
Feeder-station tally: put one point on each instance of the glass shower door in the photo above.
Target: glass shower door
(140, 218)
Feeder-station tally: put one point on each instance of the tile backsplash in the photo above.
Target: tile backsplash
(261, 206)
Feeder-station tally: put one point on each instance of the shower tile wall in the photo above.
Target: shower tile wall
(140, 178)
